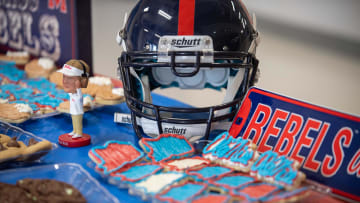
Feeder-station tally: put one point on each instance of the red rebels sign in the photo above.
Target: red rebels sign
(324, 141)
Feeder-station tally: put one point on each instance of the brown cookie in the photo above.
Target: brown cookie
(11, 152)
(35, 151)
(4, 138)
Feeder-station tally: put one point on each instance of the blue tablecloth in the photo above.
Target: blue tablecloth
(99, 123)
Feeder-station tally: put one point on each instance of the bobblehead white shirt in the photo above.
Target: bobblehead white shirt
(76, 102)
(76, 99)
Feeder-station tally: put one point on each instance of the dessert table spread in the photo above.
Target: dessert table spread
(99, 123)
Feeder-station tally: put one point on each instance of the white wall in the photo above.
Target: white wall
(309, 50)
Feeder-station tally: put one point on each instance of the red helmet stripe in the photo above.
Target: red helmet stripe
(186, 17)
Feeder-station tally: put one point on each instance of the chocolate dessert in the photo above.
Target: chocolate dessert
(40, 190)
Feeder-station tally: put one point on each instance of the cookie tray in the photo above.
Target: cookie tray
(70, 173)
(24, 136)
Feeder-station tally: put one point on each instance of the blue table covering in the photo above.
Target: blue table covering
(99, 123)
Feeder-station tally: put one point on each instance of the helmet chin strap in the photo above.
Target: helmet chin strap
(192, 132)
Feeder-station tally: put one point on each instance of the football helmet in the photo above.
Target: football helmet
(190, 44)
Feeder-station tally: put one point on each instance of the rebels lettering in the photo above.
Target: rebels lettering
(354, 165)
(304, 140)
(257, 122)
(332, 164)
(287, 137)
(299, 139)
(272, 130)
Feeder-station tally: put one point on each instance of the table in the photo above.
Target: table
(99, 123)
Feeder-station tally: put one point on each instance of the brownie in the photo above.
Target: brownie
(13, 194)
(47, 190)
(40, 191)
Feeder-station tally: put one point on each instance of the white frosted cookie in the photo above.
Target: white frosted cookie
(19, 57)
(107, 97)
(15, 113)
(42, 67)
(97, 84)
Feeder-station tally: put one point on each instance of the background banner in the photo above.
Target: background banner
(58, 29)
(324, 141)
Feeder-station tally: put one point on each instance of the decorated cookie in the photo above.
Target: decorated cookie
(19, 57)
(45, 102)
(59, 94)
(11, 74)
(166, 147)
(21, 94)
(290, 196)
(98, 84)
(277, 169)
(154, 184)
(134, 173)
(15, 113)
(107, 97)
(40, 85)
(209, 172)
(34, 107)
(7, 91)
(257, 192)
(182, 192)
(212, 198)
(231, 181)
(41, 67)
(114, 155)
(185, 163)
(4, 97)
(239, 154)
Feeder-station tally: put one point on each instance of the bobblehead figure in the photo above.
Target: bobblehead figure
(75, 76)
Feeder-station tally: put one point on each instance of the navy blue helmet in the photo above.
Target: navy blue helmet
(190, 44)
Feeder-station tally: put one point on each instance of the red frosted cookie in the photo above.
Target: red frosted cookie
(185, 163)
(114, 155)
(182, 192)
(259, 192)
(212, 198)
